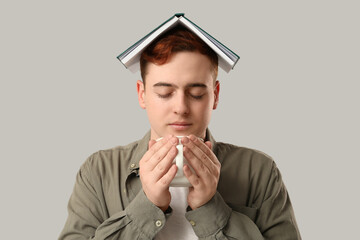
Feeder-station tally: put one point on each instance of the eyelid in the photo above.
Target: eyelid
(194, 96)
(164, 95)
(197, 97)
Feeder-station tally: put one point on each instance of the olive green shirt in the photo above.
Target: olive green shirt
(108, 202)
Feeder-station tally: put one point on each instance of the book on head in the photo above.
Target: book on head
(131, 56)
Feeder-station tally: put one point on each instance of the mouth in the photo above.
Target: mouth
(180, 126)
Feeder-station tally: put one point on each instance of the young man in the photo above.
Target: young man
(124, 193)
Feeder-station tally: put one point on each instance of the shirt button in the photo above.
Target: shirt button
(158, 223)
(132, 165)
(192, 223)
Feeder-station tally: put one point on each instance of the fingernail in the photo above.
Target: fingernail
(173, 151)
(174, 140)
(185, 140)
(192, 137)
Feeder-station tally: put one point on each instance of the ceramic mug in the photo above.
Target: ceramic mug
(180, 179)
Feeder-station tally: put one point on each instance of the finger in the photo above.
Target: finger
(201, 152)
(165, 164)
(162, 152)
(191, 177)
(165, 180)
(156, 147)
(202, 170)
(151, 143)
(208, 144)
(205, 148)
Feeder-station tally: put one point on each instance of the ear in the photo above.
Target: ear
(216, 94)
(140, 88)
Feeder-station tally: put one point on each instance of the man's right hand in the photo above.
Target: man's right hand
(157, 170)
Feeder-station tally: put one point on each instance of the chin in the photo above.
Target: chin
(188, 133)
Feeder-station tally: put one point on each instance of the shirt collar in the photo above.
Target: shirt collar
(138, 152)
(209, 137)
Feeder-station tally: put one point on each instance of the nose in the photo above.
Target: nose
(181, 104)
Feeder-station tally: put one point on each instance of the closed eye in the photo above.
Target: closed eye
(197, 97)
(164, 95)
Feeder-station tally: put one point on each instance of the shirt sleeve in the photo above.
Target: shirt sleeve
(273, 220)
(276, 216)
(216, 220)
(139, 220)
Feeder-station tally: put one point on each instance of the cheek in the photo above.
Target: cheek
(156, 105)
(203, 108)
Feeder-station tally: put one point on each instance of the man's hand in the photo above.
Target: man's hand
(207, 171)
(157, 170)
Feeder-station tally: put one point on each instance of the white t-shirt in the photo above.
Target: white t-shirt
(177, 226)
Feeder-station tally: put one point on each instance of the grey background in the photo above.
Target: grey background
(294, 95)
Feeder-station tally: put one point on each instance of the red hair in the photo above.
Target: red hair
(176, 40)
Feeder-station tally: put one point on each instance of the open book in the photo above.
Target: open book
(131, 57)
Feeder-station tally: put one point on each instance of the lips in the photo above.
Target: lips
(179, 126)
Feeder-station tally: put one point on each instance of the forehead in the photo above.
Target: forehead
(183, 68)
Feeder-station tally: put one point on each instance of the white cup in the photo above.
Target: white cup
(180, 179)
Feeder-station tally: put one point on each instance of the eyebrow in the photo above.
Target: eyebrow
(163, 84)
(196, 85)
(190, 85)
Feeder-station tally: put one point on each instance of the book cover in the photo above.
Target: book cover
(131, 56)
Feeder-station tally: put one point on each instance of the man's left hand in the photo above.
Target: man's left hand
(207, 171)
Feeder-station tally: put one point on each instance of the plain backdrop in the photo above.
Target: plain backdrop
(294, 95)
